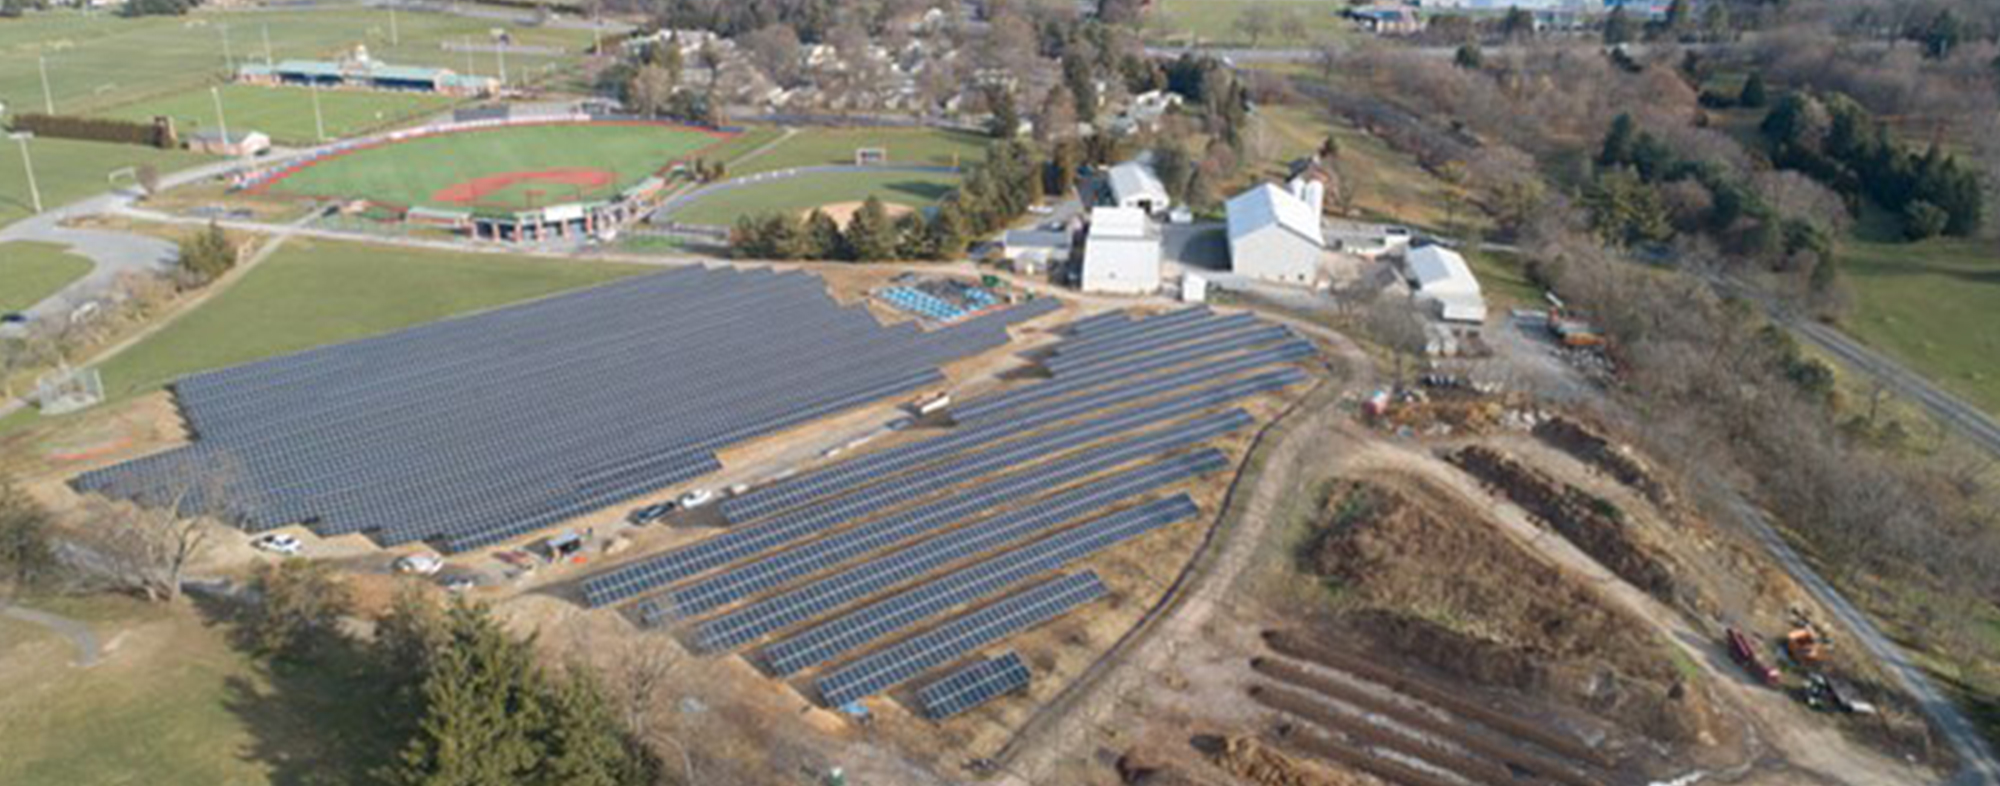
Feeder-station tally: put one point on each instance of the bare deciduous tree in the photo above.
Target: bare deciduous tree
(148, 547)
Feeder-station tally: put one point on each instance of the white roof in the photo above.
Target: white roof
(1267, 205)
(1133, 179)
(1458, 306)
(1441, 271)
(1119, 222)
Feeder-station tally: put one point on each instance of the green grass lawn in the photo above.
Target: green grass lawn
(98, 61)
(32, 271)
(1931, 305)
(286, 113)
(809, 191)
(925, 146)
(1504, 278)
(1213, 23)
(314, 292)
(1385, 185)
(174, 703)
(411, 172)
(67, 170)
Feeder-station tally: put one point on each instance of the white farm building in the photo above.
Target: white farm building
(1274, 236)
(1440, 276)
(1134, 185)
(1121, 254)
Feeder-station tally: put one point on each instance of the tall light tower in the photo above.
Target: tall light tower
(221, 122)
(48, 98)
(319, 120)
(28, 165)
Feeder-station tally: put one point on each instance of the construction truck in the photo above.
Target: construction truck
(1571, 330)
(1743, 650)
(1805, 646)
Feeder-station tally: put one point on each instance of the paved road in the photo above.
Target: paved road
(88, 651)
(1969, 421)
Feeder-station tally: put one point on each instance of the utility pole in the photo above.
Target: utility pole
(319, 122)
(48, 98)
(500, 53)
(228, 59)
(28, 165)
(267, 47)
(220, 121)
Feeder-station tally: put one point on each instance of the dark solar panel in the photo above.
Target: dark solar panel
(973, 685)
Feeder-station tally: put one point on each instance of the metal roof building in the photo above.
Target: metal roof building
(1122, 252)
(1441, 276)
(1274, 236)
(1134, 185)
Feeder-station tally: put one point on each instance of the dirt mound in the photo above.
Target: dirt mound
(1592, 523)
(843, 212)
(1588, 446)
(1255, 762)
(1438, 587)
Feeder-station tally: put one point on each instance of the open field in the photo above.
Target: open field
(97, 62)
(1930, 305)
(32, 271)
(318, 292)
(1503, 276)
(1385, 185)
(1213, 22)
(286, 113)
(68, 170)
(420, 171)
(924, 146)
(173, 703)
(912, 189)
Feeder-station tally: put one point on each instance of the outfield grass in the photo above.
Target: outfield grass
(925, 146)
(1931, 305)
(67, 170)
(32, 271)
(286, 113)
(808, 191)
(411, 172)
(315, 292)
(1213, 23)
(174, 703)
(98, 61)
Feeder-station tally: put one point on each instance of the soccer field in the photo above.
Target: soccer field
(32, 271)
(799, 194)
(286, 113)
(502, 169)
(67, 170)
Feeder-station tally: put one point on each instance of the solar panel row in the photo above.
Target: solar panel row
(1134, 328)
(973, 685)
(750, 540)
(472, 430)
(1168, 344)
(855, 630)
(1123, 370)
(846, 475)
(861, 580)
(949, 641)
(1097, 322)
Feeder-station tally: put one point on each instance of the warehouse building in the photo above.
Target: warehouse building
(1121, 253)
(1442, 280)
(1275, 236)
(1133, 185)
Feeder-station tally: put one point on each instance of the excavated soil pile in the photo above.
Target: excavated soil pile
(1254, 762)
(1590, 522)
(1442, 589)
(1588, 446)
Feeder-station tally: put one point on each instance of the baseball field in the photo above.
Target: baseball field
(512, 168)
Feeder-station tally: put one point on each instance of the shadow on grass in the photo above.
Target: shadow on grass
(318, 720)
(921, 189)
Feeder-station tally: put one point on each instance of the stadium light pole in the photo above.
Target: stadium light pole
(395, 37)
(220, 121)
(319, 121)
(228, 59)
(28, 165)
(500, 53)
(267, 46)
(48, 98)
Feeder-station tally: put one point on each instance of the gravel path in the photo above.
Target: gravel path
(88, 651)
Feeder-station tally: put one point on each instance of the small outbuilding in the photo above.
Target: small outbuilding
(1439, 276)
(1121, 252)
(237, 143)
(1274, 236)
(1134, 185)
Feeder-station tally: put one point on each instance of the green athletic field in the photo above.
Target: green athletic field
(98, 61)
(915, 189)
(68, 170)
(32, 271)
(413, 172)
(1930, 305)
(286, 113)
(813, 146)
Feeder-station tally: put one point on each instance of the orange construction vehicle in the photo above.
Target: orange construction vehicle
(1805, 646)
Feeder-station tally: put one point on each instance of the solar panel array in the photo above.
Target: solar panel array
(973, 685)
(473, 430)
(864, 579)
(829, 640)
(898, 663)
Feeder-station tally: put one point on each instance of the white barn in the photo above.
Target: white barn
(1121, 253)
(1134, 185)
(1441, 277)
(1274, 236)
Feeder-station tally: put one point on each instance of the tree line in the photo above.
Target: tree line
(1838, 142)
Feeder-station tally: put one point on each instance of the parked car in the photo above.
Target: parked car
(697, 498)
(651, 513)
(13, 318)
(458, 583)
(422, 563)
(277, 543)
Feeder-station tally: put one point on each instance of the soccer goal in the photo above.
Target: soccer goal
(67, 390)
(871, 156)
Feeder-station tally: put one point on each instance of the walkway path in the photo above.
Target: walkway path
(88, 651)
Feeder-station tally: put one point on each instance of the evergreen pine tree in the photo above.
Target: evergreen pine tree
(583, 743)
(1753, 95)
(870, 234)
(1617, 27)
(481, 709)
(1618, 141)
(950, 230)
(823, 238)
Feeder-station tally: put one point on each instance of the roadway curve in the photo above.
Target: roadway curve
(1969, 421)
